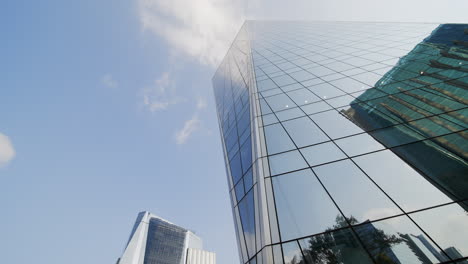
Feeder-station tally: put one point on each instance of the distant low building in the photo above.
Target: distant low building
(154, 240)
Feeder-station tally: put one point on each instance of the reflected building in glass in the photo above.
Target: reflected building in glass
(347, 142)
(154, 240)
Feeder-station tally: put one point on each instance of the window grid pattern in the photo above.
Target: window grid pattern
(364, 129)
(165, 243)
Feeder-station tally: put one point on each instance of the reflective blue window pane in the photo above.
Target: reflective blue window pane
(246, 156)
(266, 85)
(279, 102)
(271, 92)
(340, 246)
(400, 180)
(303, 96)
(236, 168)
(343, 180)
(248, 180)
(285, 162)
(303, 206)
(302, 75)
(292, 253)
(304, 132)
(277, 254)
(442, 160)
(315, 107)
(277, 140)
(239, 189)
(283, 80)
(322, 153)
(359, 144)
(291, 87)
(289, 114)
(335, 125)
(397, 240)
(247, 215)
(264, 107)
(269, 119)
(349, 85)
(450, 231)
(326, 90)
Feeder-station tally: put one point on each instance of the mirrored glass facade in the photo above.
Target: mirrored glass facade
(347, 142)
(154, 240)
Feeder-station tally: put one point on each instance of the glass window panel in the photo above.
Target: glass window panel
(302, 205)
(247, 215)
(243, 122)
(266, 85)
(245, 136)
(304, 132)
(236, 169)
(370, 94)
(354, 71)
(409, 189)
(315, 107)
(325, 90)
(253, 261)
(240, 234)
(320, 71)
(349, 85)
(344, 180)
(271, 211)
(356, 61)
(289, 114)
(291, 87)
(239, 189)
(264, 107)
(341, 101)
(397, 240)
(246, 156)
(269, 119)
(276, 139)
(292, 253)
(279, 102)
(449, 231)
(283, 80)
(303, 96)
(278, 256)
(332, 77)
(396, 135)
(302, 75)
(368, 78)
(248, 180)
(312, 82)
(271, 92)
(322, 153)
(339, 66)
(442, 160)
(286, 162)
(335, 125)
(358, 144)
(340, 246)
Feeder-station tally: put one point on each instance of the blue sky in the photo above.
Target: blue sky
(106, 110)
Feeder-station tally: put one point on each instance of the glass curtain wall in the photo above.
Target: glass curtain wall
(347, 142)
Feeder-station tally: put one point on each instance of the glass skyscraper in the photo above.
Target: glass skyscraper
(346, 142)
(154, 240)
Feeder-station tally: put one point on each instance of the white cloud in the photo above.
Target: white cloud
(109, 81)
(377, 213)
(7, 151)
(161, 95)
(202, 29)
(190, 126)
(201, 103)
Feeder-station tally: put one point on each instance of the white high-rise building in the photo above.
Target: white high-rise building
(154, 240)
